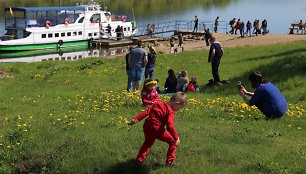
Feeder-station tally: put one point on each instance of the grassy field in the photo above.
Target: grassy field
(70, 117)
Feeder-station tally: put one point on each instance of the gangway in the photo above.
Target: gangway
(171, 26)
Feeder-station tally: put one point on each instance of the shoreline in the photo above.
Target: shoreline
(229, 40)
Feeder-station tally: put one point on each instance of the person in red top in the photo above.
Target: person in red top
(158, 116)
(149, 94)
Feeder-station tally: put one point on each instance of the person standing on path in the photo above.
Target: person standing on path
(215, 55)
(180, 40)
(216, 24)
(138, 60)
(207, 35)
(171, 44)
(196, 23)
(248, 28)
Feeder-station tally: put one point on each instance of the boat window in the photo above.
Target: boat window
(80, 33)
(62, 34)
(95, 34)
(129, 29)
(56, 35)
(44, 36)
(81, 20)
(69, 34)
(74, 33)
(89, 34)
(124, 29)
(95, 18)
(50, 35)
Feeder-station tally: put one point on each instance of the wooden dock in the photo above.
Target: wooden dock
(107, 43)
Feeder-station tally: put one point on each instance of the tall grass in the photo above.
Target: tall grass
(70, 117)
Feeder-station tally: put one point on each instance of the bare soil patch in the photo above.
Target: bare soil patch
(228, 40)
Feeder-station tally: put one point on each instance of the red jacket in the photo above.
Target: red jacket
(149, 97)
(160, 114)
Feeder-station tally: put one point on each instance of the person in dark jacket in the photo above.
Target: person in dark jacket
(150, 67)
(215, 55)
(171, 82)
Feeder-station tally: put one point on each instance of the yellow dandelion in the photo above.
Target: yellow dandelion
(82, 123)
(289, 125)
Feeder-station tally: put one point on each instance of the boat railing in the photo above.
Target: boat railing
(171, 26)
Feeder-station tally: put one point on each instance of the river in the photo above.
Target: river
(279, 13)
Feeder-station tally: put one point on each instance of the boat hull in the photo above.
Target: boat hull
(42, 46)
(59, 51)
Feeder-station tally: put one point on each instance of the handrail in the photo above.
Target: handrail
(171, 26)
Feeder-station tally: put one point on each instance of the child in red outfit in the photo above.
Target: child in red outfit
(149, 94)
(159, 115)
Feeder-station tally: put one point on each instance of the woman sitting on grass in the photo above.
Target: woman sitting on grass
(171, 82)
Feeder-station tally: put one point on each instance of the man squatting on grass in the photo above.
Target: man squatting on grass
(159, 115)
(267, 98)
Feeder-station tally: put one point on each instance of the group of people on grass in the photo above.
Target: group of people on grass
(159, 115)
(141, 63)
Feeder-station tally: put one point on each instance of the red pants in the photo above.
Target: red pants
(156, 132)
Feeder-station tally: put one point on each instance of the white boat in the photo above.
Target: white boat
(34, 28)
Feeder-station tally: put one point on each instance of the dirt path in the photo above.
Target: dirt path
(228, 40)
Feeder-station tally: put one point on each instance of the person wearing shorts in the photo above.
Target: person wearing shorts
(137, 61)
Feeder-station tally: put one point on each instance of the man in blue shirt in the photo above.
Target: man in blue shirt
(267, 98)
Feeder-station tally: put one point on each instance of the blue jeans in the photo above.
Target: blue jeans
(136, 74)
(149, 72)
(214, 67)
